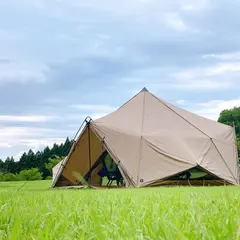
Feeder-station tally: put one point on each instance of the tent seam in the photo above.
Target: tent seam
(143, 114)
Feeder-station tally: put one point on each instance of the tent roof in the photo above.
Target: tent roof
(155, 139)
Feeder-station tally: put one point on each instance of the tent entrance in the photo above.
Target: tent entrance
(196, 176)
(196, 173)
(109, 171)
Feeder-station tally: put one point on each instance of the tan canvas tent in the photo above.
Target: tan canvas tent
(153, 143)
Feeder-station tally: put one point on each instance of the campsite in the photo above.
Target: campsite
(187, 198)
(119, 120)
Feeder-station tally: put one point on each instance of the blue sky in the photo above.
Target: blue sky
(63, 60)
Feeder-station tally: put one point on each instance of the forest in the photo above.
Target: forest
(34, 165)
(38, 165)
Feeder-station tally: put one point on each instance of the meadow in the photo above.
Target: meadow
(34, 211)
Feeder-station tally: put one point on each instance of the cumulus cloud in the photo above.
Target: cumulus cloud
(35, 145)
(174, 21)
(91, 107)
(180, 102)
(21, 72)
(233, 56)
(218, 76)
(18, 139)
(5, 145)
(213, 108)
(29, 118)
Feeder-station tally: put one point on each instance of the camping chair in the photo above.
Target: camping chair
(111, 176)
(115, 176)
(104, 172)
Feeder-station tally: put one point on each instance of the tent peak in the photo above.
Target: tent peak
(144, 90)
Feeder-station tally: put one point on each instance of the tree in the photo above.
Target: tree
(230, 117)
(23, 162)
(52, 162)
(66, 147)
(2, 166)
(10, 165)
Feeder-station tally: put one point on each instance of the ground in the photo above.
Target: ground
(34, 211)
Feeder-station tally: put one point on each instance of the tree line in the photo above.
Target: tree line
(33, 166)
(37, 164)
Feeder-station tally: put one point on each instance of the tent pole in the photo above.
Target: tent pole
(89, 151)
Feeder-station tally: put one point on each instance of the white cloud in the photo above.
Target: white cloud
(11, 132)
(224, 56)
(174, 21)
(27, 118)
(24, 138)
(81, 117)
(180, 102)
(22, 72)
(201, 84)
(99, 115)
(90, 108)
(36, 145)
(215, 77)
(212, 109)
(223, 68)
(15, 135)
(189, 5)
(5, 145)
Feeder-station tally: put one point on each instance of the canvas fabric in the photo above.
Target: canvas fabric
(151, 140)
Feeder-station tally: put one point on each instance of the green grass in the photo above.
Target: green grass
(37, 212)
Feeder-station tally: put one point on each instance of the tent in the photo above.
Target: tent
(153, 143)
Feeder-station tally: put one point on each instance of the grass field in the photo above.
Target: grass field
(34, 211)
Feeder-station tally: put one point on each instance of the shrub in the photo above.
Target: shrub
(30, 174)
(6, 177)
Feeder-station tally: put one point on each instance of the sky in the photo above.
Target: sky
(62, 60)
